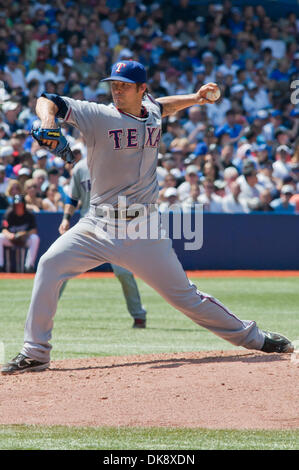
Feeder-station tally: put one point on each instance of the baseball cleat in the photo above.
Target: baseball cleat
(139, 323)
(276, 343)
(21, 363)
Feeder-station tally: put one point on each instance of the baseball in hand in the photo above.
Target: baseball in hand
(213, 95)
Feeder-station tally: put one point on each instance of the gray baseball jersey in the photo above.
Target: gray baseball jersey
(128, 145)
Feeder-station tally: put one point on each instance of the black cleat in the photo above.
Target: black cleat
(276, 343)
(139, 323)
(22, 363)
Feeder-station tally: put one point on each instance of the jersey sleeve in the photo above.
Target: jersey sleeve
(150, 102)
(75, 189)
(81, 114)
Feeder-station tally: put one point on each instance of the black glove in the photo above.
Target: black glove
(55, 141)
(20, 239)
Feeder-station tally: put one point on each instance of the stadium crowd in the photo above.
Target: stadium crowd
(240, 154)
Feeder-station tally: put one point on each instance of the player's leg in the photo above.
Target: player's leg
(131, 293)
(157, 264)
(62, 289)
(32, 244)
(75, 252)
(4, 242)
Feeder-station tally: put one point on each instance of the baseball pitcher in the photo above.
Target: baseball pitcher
(122, 151)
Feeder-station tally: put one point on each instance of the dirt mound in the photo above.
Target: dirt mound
(211, 389)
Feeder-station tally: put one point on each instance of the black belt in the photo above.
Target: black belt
(123, 214)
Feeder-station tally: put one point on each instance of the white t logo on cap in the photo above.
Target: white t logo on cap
(119, 66)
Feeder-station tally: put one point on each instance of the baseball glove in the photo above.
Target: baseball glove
(54, 141)
(20, 239)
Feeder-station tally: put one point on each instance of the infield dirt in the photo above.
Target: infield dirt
(211, 389)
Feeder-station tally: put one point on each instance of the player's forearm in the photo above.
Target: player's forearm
(46, 110)
(68, 212)
(173, 104)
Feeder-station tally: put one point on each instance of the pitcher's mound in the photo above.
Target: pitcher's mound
(211, 389)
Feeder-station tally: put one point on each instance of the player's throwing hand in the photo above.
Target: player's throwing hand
(208, 93)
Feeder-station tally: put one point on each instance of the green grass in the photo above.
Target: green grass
(63, 438)
(92, 320)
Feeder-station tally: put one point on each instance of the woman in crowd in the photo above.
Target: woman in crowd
(13, 188)
(33, 202)
(52, 201)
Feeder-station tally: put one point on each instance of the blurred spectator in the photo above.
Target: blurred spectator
(40, 73)
(275, 43)
(217, 111)
(40, 178)
(191, 177)
(250, 188)
(3, 180)
(41, 157)
(283, 205)
(19, 229)
(254, 99)
(53, 201)
(169, 181)
(227, 154)
(53, 178)
(173, 130)
(171, 200)
(265, 177)
(13, 188)
(33, 202)
(3, 202)
(281, 166)
(230, 175)
(220, 187)
(211, 202)
(265, 201)
(232, 203)
(11, 110)
(272, 126)
(15, 73)
(195, 123)
(295, 200)
(23, 175)
(210, 170)
(192, 202)
(231, 127)
(77, 150)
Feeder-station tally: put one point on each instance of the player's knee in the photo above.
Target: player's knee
(48, 264)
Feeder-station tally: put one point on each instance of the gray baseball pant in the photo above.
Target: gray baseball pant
(89, 244)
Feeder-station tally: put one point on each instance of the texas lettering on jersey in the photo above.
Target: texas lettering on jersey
(128, 138)
(86, 185)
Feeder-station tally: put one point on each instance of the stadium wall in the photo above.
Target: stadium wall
(230, 241)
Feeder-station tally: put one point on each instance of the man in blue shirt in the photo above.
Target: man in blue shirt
(283, 204)
(231, 128)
